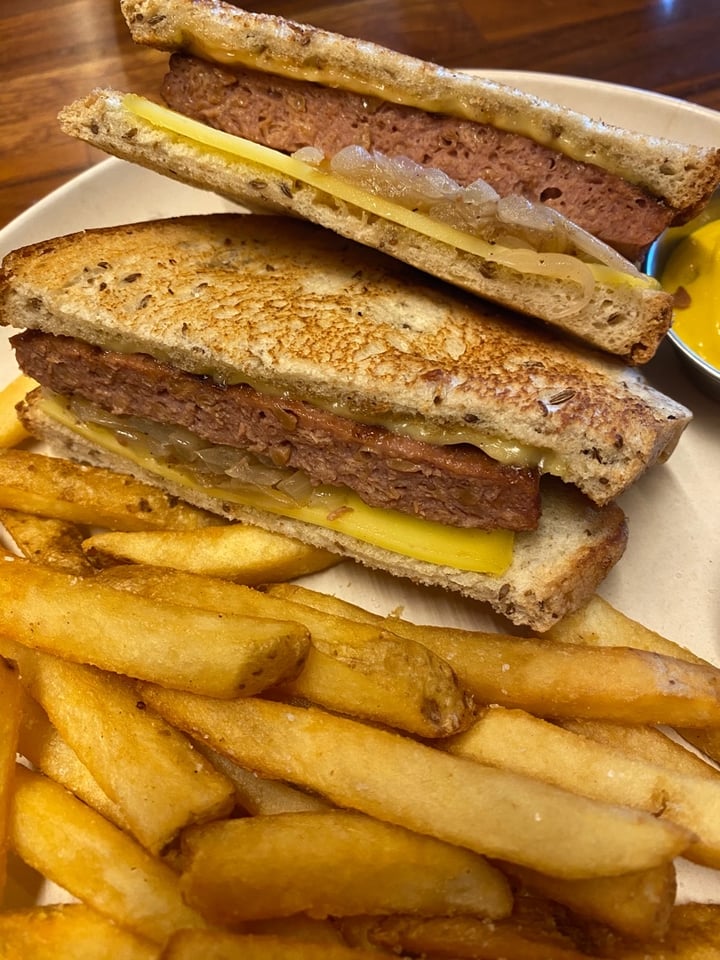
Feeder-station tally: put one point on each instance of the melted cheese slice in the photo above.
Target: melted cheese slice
(478, 551)
(522, 260)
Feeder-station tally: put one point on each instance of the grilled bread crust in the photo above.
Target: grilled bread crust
(554, 569)
(625, 319)
(288, 307)
(683, 176)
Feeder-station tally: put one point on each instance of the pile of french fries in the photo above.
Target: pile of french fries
(213, 762)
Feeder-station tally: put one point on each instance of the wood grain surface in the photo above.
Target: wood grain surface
(52, 51)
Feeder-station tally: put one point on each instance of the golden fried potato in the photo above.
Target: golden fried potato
(558, 680)
(468, 936)
(108, 870)
(148, 768)
(636, 905)
(599, 624)
(398, 780)
(332, 863)
(223, 655)
(647, 743)
(353, 668)
(259, 795)
(515, 740)
(51, 487)
(693, 934)
(54, 543)
(238, 552)
(10, 717)
(12, 432)
(69, 931)
(223, 945)
(41, 744)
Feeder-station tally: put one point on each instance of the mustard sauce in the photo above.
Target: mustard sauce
(692, 275)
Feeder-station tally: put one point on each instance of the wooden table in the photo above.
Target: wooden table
(52, 51)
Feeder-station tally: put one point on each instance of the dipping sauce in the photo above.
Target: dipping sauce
(692, 275)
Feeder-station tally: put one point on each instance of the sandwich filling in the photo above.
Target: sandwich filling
(289, 114)
(287, 446)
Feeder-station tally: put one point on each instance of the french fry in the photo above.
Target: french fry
(110, 730)
(562, 680)
(222, 945)
(69, 931)
(11, 699)
(636, 905)
(72, 845)
(260, 796)
(247, 869)
(41, 744)
(457, 800)
(223, 655)
(523, 938)
(238, 552)
(54, 543)
(693, 934)
(12, 432)
(514, 740)
(598, 623)
(298, 927)
(647, 743)
(51, 487)
(352, 668)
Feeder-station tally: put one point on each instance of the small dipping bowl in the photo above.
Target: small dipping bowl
(703, 373)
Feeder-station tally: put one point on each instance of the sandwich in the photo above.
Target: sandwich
(510, 197)
(267, 370)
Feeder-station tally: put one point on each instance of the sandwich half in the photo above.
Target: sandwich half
(269, 371)
(489, 188)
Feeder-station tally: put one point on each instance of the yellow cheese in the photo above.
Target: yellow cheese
(478, 551)
(522, 260)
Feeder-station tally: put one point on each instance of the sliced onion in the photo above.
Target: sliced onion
(312, 155)
(476, 209)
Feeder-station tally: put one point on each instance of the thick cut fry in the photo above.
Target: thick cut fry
(221, 945)
(636, 905)
(457, 800)
(51, 487)
(565, 680)
(456, 937)
(11, 700)
(693, 934)
(647, 743)
(599, 624)
(299, 927)
(352, 668)
(247, 869)
(68, 931)
(54, 543)
(237, 552)
(223, 655)
(76, 848)
(514, 740)
(12, 431)
(41, 744)
(113, 733)
(260, 796)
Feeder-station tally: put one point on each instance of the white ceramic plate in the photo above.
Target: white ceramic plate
(669, 577)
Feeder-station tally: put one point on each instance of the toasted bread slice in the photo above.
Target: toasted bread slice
(286, 306)
(554, 569)
(681, 175)
(624, 314)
